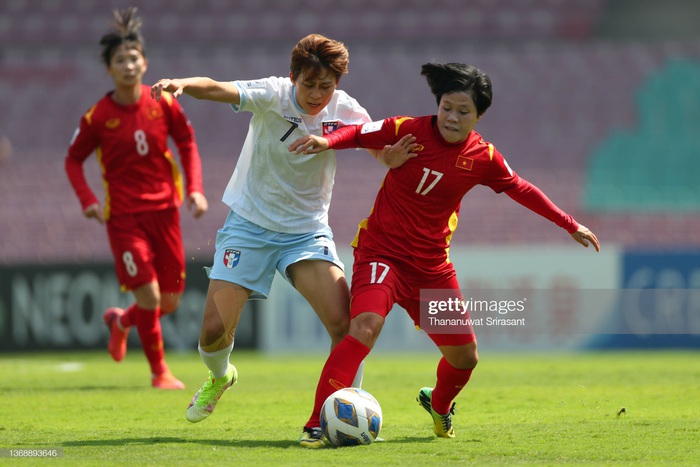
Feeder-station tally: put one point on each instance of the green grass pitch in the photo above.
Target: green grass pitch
(530, 409)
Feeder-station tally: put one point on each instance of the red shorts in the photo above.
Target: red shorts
(380, 282)
(147, 246)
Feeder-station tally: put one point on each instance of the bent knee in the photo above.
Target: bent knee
(463, 358)
(471, 356)
(169, 302)
(366, 328)
(339, 328)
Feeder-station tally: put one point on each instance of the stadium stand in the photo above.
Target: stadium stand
(653, 166)
(32, 21)
(559, 94)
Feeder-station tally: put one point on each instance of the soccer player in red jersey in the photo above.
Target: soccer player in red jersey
(402, 247)
(129, 133)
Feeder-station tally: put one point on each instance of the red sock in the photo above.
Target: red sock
(129, 317)
(148, 326)
(338, 372)
(450, 381)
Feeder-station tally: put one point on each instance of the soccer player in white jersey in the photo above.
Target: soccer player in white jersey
(279, 204)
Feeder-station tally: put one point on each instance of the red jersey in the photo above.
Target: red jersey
(417, 207)
(131, 142)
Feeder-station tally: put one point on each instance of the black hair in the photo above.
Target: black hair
(127, 30)
(446, 78)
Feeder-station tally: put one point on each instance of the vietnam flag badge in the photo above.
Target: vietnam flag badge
(464, 162)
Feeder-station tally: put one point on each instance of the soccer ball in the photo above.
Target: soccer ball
(351, 416)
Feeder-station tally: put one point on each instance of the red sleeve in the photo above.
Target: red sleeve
(183, 135)
(344, 138)
(534, 199)
(83, 144)
(371, 135)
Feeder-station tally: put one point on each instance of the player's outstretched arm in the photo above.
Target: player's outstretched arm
(309, 144)
(199, 88)
(583, 235)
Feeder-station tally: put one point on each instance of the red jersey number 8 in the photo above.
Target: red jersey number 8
(141, 143)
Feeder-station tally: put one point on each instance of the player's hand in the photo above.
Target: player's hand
(197, 204)
(94, 211)
(310, 144)
(583, 235)
(396, 155)
(173, 86)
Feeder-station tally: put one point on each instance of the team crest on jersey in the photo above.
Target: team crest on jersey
(112, 123)
(154, 113)
(330, 127)
(231, 258)
(464, 162)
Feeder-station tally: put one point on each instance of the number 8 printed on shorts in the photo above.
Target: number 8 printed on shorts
(131, 268)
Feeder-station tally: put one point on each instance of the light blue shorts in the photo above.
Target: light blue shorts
(248, 255)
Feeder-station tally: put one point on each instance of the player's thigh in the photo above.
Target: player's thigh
(324, 286)
(310, 262)
(133, 255)
(168, 250)
(458, 342)
(246, 254)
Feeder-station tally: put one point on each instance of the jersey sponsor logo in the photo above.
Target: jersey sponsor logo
(112, 123)
(464, 162)
(231, 258)
(292, 119)
(330, 127)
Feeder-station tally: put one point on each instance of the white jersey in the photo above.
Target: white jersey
(275, 188)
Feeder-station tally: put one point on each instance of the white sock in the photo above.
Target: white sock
(357, 382)
(218, 361)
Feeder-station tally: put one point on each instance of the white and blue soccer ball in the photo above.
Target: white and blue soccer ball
(350, 417)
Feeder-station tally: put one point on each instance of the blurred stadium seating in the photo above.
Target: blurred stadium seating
(559, 93)
(654, 166)
(41, 21)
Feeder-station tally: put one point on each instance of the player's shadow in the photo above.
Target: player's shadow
(239, 443)
(157, 440)
(87, 388)
(426, 439)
